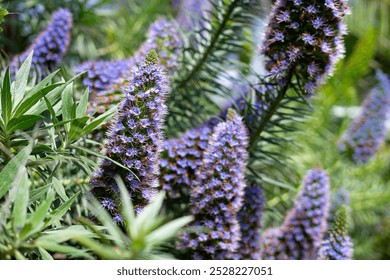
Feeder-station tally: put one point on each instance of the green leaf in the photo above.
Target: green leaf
(146, 220)
(22, 122)
(76, 128)
(41, 85)
(167, 231)
(18, 87)
(65, 234)
(30, 102)
(104, 217)
(21, 202)
(9, 174)
(6, 98)
(37, 193)
(82, 106)
(59, 188)
(53, 97)
(127, 209)
(44, 254)
(99, 155)
(84, 164)
(359, 62)
(103, 251)
(35, 222)
(57, 213)
(3, 12)
(19, 256)
(99, 120)
(68, 104)
(58, 248)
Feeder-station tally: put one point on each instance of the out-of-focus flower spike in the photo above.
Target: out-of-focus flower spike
(163, 37)
(191, 13)
(218, 192)
(179, 160)
(341, 198)
(304, 38)
(106, 79)
(368, 131)
(51, 45)
(337, 245)
(135, 138)
(302, 231)
(249, 218)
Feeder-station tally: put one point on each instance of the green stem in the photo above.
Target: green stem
(273, 107)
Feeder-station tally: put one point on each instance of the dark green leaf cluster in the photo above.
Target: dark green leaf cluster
(212, 50)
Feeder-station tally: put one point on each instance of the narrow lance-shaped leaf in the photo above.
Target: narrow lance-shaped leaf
(6, 98)
(82, 106)
(21, 201)
(35, 222)
(18, 86)
(10, 171)
(22, 122)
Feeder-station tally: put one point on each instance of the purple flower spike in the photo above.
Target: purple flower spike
(218, 192)
(368, 131)
(249, 218)
(180, 159)
(337, 245)
(106, 79)
(51, 45)
(314, 29)
(303, 228)
(140, 154)
(191, 12)
(164, 38)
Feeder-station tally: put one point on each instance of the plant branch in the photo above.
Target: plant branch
(273, 107)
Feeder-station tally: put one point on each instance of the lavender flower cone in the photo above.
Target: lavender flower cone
(368, 131)
(305, 38)
(249, 218)
(163, 37)
(106, 78)
(337, 245)
(135, 139)
(51, 45)
(180, 159)
(302, 231)
(218, 193)
(190, 13)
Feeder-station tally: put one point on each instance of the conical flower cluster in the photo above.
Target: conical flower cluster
(249, 218)
(304, 226)
(217, 193)
(180, 159)
(191, 12)
(106, 78)
(51, 45)
(341, 198)
(337, 245)
(135, 139)
(305, 38)
(164, 38)
(368, 131)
